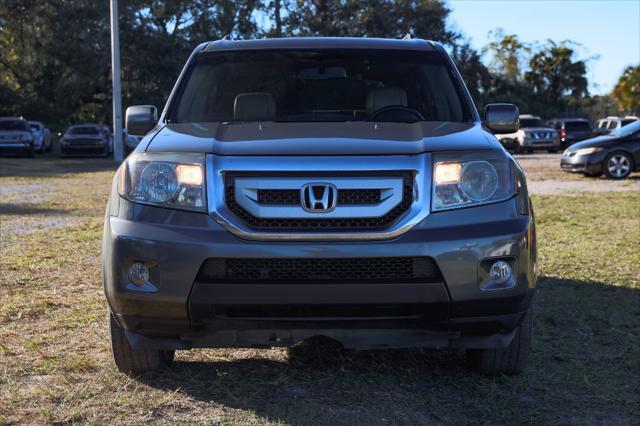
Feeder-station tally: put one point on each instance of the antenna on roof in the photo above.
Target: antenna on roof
(407, 36)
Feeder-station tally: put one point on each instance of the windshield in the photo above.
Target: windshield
(13, 125)
(83, 130)
(531, 122)
(320, 85)
(577, 125)
(35, 127)
(626, 130)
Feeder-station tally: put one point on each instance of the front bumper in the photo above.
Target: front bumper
(83, 150)
(176, 311)
(541, 144)
(16, 147)
(590, 164)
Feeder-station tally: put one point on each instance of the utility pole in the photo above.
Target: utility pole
(115, 79)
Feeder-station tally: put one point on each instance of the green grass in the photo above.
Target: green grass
(55, 364)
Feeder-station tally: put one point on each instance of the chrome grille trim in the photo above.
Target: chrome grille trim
(418, 165)
(246, 195)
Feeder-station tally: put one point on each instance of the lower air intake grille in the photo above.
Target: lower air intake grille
(341, 270)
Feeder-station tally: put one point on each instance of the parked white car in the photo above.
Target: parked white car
(533, 134)
(42, 136)
(605, 126)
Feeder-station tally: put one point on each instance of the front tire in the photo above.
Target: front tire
(132, 361)
(618, 165)
(510, 360)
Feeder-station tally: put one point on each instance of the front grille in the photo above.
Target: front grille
(340, 270)
(279, 196)
(84, 141)
(358, 196)
(291, 197)
(82, 150)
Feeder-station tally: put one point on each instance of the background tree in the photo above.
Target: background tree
(475, 74)
(55, 54)
(556, 76)
(627, 90)
(508, 54)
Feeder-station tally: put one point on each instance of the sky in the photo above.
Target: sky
(609, 29)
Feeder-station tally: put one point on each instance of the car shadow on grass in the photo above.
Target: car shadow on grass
(12, 209)
(49, 166)
(586, 340)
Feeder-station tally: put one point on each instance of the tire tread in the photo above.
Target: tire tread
(509, 360)
(132, 361)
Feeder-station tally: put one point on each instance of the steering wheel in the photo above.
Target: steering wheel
(399, 108)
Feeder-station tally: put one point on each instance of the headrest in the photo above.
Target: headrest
(386, 96)
(254, 107)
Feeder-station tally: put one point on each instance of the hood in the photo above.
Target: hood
(352, 138)
(597, 141)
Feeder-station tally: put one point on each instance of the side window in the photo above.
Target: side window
(558, 125)
(612, 124)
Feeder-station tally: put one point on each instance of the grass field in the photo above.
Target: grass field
(55, 363)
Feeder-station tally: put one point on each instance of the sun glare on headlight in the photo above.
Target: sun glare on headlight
(447, 173)
(189, 174)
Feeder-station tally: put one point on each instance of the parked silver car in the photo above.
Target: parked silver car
(532, 135)
(16, 136)
(339, 187)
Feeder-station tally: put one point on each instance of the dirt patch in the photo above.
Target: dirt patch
(26, 193)
(552, 187)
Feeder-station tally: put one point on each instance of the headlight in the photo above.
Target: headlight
(164, 179)
(461, 180)
(587, 151)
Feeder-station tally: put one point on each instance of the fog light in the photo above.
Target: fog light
(500, 272)
(138, 273)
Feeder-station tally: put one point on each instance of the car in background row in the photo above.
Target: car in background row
(571, 130)
(130, 143)
(107, 131)
(616, 154)
(607, 125)
(533, 134)
(42, 136)
(86, 139)
(16, 136)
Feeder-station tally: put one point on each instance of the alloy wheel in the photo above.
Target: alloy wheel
(619, 165)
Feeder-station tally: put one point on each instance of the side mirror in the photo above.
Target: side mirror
(140, 119)
(502, 118)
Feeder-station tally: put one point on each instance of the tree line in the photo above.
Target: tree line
(55, 54)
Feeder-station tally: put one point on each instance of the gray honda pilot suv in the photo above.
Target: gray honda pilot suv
(335, 187)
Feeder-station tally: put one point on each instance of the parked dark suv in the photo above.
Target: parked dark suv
(321, 186)
(571, 130)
